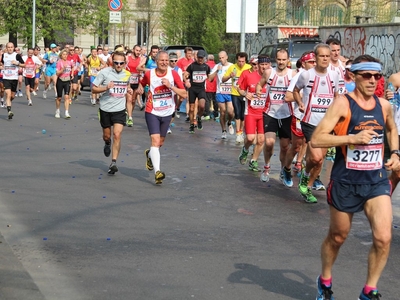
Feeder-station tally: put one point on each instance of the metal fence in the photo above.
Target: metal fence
(275, 13)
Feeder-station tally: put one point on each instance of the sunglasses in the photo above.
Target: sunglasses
(172, 60)
(377, 76)
(311, 61)
(118, 63)
(254, 64)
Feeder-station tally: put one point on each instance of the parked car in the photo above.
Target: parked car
(174, 48)
(296, 46)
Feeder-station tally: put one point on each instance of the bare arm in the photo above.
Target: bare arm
(141, 67)
(263, 81)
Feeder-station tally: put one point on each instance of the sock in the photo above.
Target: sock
(286, 169)
(326, 282)
(8, 108)
(108, 142)
(306, 174)
(368, 289)
(155, 156)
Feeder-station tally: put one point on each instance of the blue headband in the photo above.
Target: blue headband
(366, 66)
(264, 60)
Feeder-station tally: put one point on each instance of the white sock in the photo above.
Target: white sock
(155, 158)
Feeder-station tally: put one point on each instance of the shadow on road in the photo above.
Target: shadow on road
(291, 283)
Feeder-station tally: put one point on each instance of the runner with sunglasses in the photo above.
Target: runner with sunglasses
(113, 82)
(359, 178)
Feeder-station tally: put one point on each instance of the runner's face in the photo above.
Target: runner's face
(64, 55)
(10, 48)
(118, 62)
(76, 51)
(309, 64)
(263, 66)
(136, 51)
(282, 60)
(323, 58)
(241, 61)
(94, 52)
(200, 60)
(335, 52)
(172, 62)
(189, 54)
(162, 62)
(365, 86)
(30, 53)
(154, 53)
(222, 59)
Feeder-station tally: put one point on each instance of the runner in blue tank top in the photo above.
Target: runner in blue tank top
(358, 180)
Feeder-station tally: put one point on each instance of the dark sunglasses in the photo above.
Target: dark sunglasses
(172, 60)
(118, 63)
(377, 76)
(254, 64)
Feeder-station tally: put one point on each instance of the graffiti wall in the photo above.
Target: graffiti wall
(380, 41)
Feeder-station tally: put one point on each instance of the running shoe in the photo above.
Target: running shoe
(107, 150)
(287, 177)
(176, 113)
(169, 130)
(330, 154)
(324, 292)
(303, 184)
(205, 118)
(187, 120)
(238, 138)
(45, 94)
(318, 185)
(230, 128)
(93, 101)
(309, 197)
(20, 93)
(129, 122)
(191, 128)
(374, 295)
(223, 136)
(253, 166)
(149, 163)
(2, 104)
(113, 168)
(67, 115)
(10, 115)
(34, 93)
(29, 102)
(243, 155)
(57, 114)
(199, 124)
(265, 174)
(159, 176)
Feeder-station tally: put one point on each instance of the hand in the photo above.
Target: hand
(364, 137)
(165, 81)
(258, 92)
(233, 75)
(393, 163)
(187, 84)
(249, 96)
(130, 91)
(389, 94)
(301, 107)
(110, 85)
(140, 89)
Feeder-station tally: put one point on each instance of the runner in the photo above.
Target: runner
(319, 85)
(195, 77)
(32, 63)
(133, 62)
(164, 83)
(73, 56)
(211, 89)
(65, 72)
(10, 63)
(113, 82)
(358, 179)
(50, 76)
(223, 94)
(173, 58)
(19, 92)
(38, 74)
(94, 65)
(255, 105)
(183, 63)
(234, 72)
(278, 113)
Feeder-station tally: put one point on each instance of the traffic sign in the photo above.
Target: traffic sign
(115, 5)
(115, 17)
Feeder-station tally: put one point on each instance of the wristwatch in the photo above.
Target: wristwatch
(395, 152)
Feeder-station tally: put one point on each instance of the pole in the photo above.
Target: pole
(34, 24)
(243, 26)
(115, 36)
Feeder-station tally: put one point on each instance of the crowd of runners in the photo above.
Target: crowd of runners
(329, 107)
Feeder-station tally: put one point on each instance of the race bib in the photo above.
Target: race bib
(225, 88)
(364, 157)
(199, 76)
(162, 101)
(30, 71)
(119, 90)
(258, 103)
(277, 97)
(10, 71)
(93, 71)
(67, 71)
(134, 79)
(319, 104)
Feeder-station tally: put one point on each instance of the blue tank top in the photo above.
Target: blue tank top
(151, 64)
(360, 164)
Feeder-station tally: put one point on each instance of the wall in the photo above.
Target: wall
(379, 40)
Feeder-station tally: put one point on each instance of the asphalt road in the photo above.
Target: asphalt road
(211, 231)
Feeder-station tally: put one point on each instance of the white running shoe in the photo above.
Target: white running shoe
(34, 93)
(2, 103)
(264, 177)
(29, 102)
(67, 116)
(93, 101)
(169, 130)
(20, 94)
(238, 138)
(231, 130)
(223, 136)
(45, 94)
(57, 115)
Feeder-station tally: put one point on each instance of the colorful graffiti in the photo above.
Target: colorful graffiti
(353, 43)
(383, 47)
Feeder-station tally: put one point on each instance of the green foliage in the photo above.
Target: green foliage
(55, 19)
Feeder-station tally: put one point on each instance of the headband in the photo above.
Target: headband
(264, 60)
(366, 66)
(308, 56)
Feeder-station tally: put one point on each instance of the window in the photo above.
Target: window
(142, 32)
